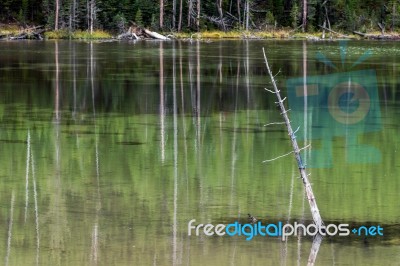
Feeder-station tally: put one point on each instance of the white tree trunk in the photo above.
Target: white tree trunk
(161, 14)
(304, 24)
(198, 15)
(56, 15)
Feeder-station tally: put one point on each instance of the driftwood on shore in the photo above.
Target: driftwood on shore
(33, 33)
(136, 33)
(377, 36)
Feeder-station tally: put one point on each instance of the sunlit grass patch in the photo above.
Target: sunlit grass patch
(9, 29)
(97, 34)
(79, 34)
(57, 34)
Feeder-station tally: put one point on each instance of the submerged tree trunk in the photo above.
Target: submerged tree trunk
(296, 150)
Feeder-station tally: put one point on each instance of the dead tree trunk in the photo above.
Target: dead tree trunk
(221, 14)
(56, 15)
(198, 15)
(161, 14)
(304, 22)
(307, 185)
(180, 15)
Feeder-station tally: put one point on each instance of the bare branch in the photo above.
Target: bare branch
(269, 90)
(285, 111)
(274, 123)
(281, 101)
(276, 158)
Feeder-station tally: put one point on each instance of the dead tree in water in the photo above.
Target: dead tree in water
(296, 150)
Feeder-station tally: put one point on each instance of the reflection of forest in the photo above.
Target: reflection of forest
(132, 141)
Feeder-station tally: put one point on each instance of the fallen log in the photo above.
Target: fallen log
(155, 35)
(33, 33)
(136, 32)
(335, 32)
(377, 36)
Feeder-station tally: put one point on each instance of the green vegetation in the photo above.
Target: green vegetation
(78, 34)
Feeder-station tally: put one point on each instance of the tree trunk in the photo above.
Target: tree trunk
(92, 10)
(304, 23)
(155, 35)
(296, 150)
(393, 14)
(73, 14)
(221, 14)
(190, 8)
(198, 15)
(161, 14)
(173, 14)
(247, 14)
(180, 15)
(56, 15)
(239, 12)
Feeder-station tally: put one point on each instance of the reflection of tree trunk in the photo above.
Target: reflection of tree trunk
(183, 118)
(57, 221)
(57, 93)
(314, 250)
(36, 209)
(95, 233)
(30, 164)
(247, 87)
(28, 161)
(74, 78)
(175, 114)
(198, 78)
(162, 112)
(10, 226)
(305, 99)
(233, 151)
(92, 69)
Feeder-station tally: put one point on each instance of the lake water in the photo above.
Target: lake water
(109, 149)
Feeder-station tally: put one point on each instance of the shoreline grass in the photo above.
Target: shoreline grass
(282, 34)
(77, 35)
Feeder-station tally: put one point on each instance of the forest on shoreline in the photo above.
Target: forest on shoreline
(218, 18)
